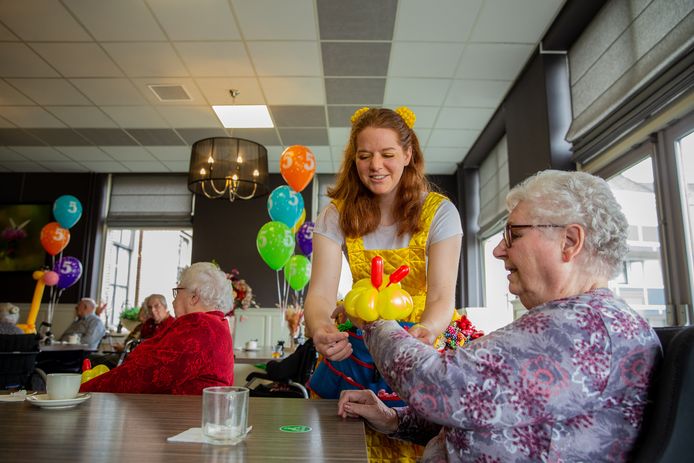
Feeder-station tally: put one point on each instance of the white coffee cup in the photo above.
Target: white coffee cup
(63, 385)
(252, 344)
(73, 339)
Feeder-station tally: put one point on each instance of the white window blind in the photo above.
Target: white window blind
(150, 201)
(625, 46)
(494, 182)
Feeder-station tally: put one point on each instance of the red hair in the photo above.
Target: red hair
(359, 213)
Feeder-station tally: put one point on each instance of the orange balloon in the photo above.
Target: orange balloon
(297, 166)
(54, 238)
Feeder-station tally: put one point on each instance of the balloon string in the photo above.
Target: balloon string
(279, 292)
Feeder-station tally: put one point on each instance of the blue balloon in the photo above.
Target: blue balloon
(285, 205)
(67, 210)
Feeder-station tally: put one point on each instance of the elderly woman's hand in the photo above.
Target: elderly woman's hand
(422, 333)
(365, 404)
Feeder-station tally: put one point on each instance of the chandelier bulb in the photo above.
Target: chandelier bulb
(210, 160)
(255, 172)
(202, 171)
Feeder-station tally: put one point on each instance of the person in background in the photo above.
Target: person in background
(9, 316)
(158, 319)
(87, 323)
(191, 353)
(382, 206)
(567, 381)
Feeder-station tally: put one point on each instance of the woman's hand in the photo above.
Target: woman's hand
(331, 343)
(422, 333)
(365, 404)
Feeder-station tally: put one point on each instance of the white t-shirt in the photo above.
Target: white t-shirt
(446, 223)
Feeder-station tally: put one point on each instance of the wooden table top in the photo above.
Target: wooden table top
(134, 427)
(59, 347)
(262, 355)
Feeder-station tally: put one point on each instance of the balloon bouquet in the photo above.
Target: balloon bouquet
(277, 239)
(65, 270)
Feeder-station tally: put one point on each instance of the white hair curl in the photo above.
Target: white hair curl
(561, 197)
(211, 285)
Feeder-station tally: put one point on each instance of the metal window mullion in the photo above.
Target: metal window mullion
(674, 244)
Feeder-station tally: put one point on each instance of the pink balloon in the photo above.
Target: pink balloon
(50, 278)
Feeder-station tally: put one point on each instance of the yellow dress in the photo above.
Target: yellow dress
(358, 371)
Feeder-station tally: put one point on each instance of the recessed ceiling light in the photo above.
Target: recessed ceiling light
(243, 116)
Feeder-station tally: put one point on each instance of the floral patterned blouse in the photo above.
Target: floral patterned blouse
(565, 382)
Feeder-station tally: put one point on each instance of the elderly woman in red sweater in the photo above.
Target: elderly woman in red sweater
(195, 351)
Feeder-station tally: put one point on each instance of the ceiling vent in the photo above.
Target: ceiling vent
(167, 92)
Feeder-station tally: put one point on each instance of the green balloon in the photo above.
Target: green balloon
(297, 272)
(275, 243)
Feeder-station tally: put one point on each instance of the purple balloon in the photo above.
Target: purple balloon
(69, 270)
(305, 238)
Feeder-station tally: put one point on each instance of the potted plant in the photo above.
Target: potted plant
(130, 318)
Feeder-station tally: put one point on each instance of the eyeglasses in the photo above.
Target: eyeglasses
(174, 291)
(508, 236)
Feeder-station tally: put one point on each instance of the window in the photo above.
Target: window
(641, 279)
(140, 262)
(501, 307)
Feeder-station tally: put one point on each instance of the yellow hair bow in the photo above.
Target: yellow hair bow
(403, 111)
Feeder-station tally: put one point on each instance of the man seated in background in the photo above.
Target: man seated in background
(193, 352)
(87, 323)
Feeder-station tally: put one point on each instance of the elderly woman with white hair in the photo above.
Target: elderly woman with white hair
(567, 381)
(193, 352)
(9, 316)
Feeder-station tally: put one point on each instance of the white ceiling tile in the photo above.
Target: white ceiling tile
(18, 60)
(452, 138)
(216, 90)
(126, 20)
(177, 166)
(293, 20)
(521, 22)
(338, 136)
(109, 91)
(338, 153)
(293, 90)
(215, 58)
(322, 153)
(4, 123)
(188, 84)
(433, 59)
(67, 166)
(416, 91)
(324, 167)
(105, 166)
(447, 21)
(50, 91)
(6, 154)
(136, 117)
(128, 153)
(170, 153)
(493, 61)
(150, 166)
(29, 116)
(422, 134)
(40, 153)
(286, 58)
(146, 59)
(463, 118)
(190, 116)
(6, 35)
(441, 168)
(24, 166)
(84, 153)
(82, 116)
(198, 20)
(444, 154)
(477, 93)
(40, 20)
(78, 59)
(10, 96)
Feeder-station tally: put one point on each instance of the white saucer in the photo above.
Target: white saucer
(42, 400)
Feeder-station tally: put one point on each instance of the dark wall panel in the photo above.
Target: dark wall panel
(226, 231)
(42, 188)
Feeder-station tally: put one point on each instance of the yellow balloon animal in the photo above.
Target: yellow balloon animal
(374, 298)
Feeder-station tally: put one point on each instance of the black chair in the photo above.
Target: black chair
(287, 376)
(17, 360)
(669, 418)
